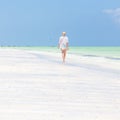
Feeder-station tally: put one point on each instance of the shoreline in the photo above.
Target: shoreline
(106, 52)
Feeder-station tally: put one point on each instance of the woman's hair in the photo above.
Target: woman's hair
(64, 33)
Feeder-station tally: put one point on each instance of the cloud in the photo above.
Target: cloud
(115, 13)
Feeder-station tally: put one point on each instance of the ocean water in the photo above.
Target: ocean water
(106, 52)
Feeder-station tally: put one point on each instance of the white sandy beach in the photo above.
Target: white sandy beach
(37, 86)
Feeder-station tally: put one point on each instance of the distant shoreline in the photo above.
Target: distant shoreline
(108, 52)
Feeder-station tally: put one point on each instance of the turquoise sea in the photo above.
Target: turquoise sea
(107, 52)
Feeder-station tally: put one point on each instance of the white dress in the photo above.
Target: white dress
(63, 42)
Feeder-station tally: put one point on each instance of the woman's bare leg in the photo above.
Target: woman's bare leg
(63, 55)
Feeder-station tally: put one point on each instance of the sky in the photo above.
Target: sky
(41, 22)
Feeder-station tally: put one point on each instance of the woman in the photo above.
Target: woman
(63, 45)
